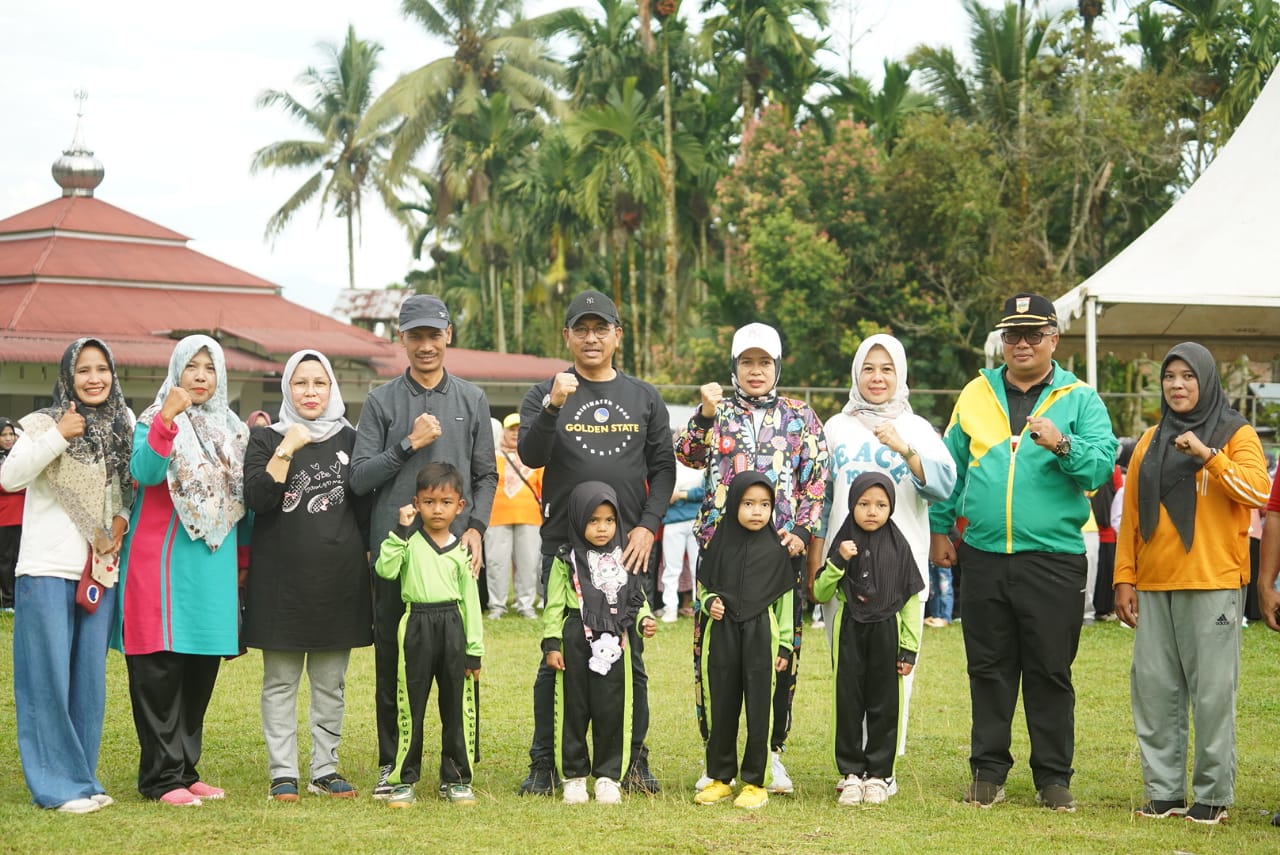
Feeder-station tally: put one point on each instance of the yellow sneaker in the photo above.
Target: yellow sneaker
(751, 797)
(714, 792)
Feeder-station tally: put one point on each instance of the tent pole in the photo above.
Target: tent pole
(1091, 340)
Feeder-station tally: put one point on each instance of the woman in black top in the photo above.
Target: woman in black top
(308, 596)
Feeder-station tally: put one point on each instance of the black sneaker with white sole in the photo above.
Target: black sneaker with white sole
(382, 790)
(1207, 814)
(1162, 809)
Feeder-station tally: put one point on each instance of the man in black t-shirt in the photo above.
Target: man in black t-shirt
(595, 423)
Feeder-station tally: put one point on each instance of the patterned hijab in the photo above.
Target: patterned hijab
(206, 469)
(327, 423)
(897, 404)
(91, 478)
(1167, 476)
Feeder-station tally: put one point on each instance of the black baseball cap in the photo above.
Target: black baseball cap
(423, 310)
(591, 303)
(1028, 310)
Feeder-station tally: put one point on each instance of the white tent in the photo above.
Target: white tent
(1207, 271)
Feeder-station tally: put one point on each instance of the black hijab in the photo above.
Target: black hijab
(610, 595)
(748, 570)
(1167, 475)
(7, 423)
(880, 579)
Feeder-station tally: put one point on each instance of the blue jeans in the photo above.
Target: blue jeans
(941, 597)
(59, 687)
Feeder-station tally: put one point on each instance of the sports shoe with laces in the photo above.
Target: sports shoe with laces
(983, 793)
(608, 792)
(458, 794)
(876, 791)
(382, 790)
(103, 799)
(638, 778)
(1057, 798)
(575, 791)
(541, 780)
(181, 797)
(1206, 814)
(751, 797)
(401, 796)
(781, 782)
(850, 791)
(332, 785)
(1160, 809)
(283, 790)
(716, 791)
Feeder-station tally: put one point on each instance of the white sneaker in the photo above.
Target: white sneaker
(850, 791)
(781, 780)
(79, 806)
(103, 799)
(575, 791)
(670, 615)
(705, 781)
(875, 791)
(607, 792)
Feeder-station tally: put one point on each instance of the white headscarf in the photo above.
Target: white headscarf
(206, 468)
(897, 404)
(327, 423)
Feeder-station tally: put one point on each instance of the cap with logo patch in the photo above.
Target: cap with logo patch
(1028, 310)
(423, 310)
(591, 303)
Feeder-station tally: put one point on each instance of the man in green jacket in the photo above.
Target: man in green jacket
(1029, 439)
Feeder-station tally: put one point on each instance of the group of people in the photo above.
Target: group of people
(375, 534)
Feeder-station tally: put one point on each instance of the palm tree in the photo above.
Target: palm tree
(884, 111)
(760, 38)
(349, 153)
(492, 53)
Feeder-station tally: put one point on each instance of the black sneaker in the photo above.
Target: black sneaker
(1056, 797)
(983, 793)
(1160, 809)
(1207, 814)
(382, 790)
(639, 779)
(541, 780)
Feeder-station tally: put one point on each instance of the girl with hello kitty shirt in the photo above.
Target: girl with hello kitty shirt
(595, 611)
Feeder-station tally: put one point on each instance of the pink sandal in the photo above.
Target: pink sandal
(202, 790)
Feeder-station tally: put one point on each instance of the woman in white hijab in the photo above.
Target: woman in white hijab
(308, 599)
(877, 432)
(179, 608)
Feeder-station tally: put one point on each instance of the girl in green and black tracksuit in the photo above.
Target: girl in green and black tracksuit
(745, 583)
(594, 609)
(872, 572)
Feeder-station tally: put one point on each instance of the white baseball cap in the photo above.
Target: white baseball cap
(762, 336)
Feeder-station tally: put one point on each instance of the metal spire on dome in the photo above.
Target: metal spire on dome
(78, 172)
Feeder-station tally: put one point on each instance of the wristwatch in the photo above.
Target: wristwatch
(551, 408)
(1063, 448)
(911, 452)
(283, 455)
(406, 446)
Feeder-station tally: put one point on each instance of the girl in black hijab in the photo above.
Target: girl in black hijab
(871, 571)
(1182, 558)
(746, 585)
(594, 606)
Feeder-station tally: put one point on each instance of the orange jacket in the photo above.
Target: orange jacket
(1233, 481)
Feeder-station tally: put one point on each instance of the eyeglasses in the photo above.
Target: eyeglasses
(582, 331)
(1031, 337)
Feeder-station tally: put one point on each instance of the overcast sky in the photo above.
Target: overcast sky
(172, 116)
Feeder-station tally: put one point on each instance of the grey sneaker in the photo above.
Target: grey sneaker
(382, 790)
(1056, 797)
(983, 793)
(458, 794)
(401, 796)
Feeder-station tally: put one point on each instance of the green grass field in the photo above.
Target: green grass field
(926, 815)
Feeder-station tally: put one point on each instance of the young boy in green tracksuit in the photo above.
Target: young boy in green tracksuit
(594, 607)
(440, 636)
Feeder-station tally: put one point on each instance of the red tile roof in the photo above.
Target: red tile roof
(86, 214)
(70, 259)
